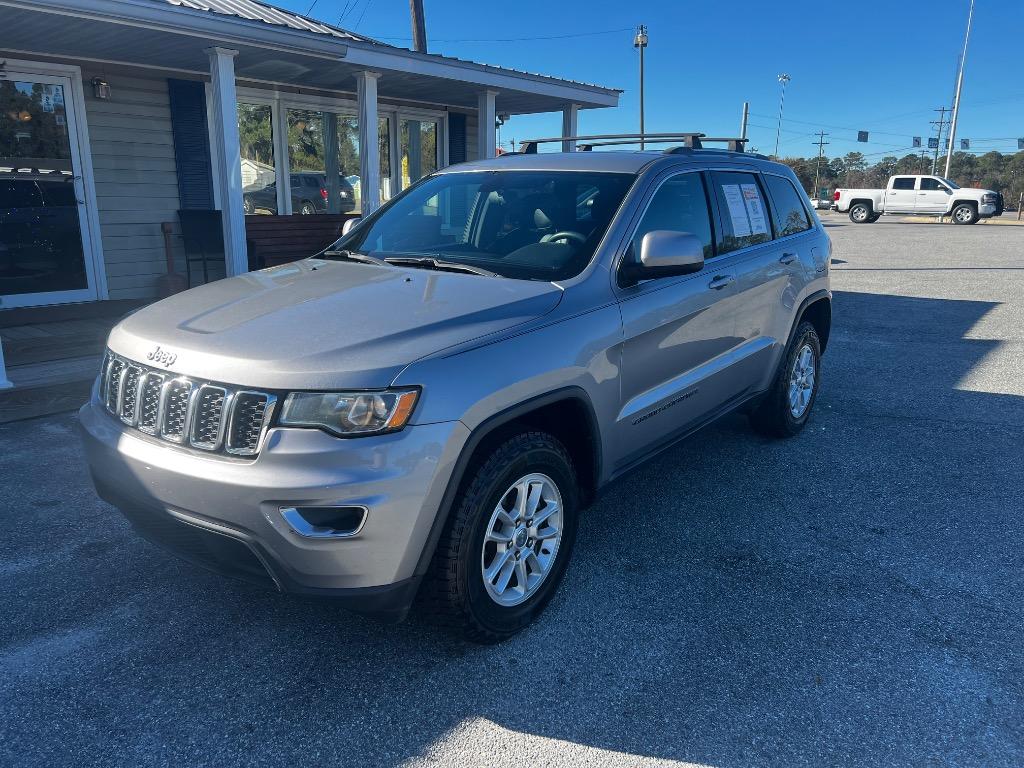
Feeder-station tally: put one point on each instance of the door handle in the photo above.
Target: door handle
(721, 281)
(787, 258)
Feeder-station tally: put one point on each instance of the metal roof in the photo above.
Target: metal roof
(252, 10)
(269, 14)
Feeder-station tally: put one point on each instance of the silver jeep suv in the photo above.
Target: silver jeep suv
(420, 413)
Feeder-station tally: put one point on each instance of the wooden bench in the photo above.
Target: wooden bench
(273, 240)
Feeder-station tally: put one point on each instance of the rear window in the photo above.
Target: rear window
(790, 215)
(744, 216)
(903, 182)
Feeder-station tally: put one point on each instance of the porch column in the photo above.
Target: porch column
(369, 149)
(227, 157)
(570, 123)
(5, 383)
(485, 120)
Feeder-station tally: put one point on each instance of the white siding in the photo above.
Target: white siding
(136, 183)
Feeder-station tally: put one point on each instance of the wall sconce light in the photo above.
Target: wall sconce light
(100, 88)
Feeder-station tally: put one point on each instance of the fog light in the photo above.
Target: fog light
(325, 522)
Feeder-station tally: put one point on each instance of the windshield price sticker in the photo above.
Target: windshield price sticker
(737, 210)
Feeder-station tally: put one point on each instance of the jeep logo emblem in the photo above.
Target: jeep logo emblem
(162, 357)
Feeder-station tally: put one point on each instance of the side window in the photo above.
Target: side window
(903, 182)
(790, 214)
(933, 185)
(744, 218)
(679, 205)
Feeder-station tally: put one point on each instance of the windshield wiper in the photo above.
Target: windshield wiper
(429, 262)
(365, 258)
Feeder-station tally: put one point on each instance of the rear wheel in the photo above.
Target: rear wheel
(787, 406)
(307, 208)
(860, 213)
(965, 213)
(507, 542)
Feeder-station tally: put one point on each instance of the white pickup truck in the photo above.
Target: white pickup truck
(918, 195)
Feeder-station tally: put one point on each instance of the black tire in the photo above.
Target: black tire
(965, 213)
(860, 213)
(453, 592)
(307, 208)
(773, 416)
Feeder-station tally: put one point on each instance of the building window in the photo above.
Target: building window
(259, 177)
(317, 168)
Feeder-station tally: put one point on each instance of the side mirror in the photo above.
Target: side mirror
(349, 225)
(664, 253)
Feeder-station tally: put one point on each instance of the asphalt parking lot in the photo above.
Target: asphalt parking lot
(852, 596)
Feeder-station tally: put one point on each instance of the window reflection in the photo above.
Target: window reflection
(323, 160)
(259, 179)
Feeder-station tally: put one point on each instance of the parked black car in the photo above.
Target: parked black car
(309, 195)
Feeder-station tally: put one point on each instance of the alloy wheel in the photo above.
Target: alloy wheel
(521, 540)
(801, 381)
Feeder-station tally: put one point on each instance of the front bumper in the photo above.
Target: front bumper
(224, 513)
(987, 210)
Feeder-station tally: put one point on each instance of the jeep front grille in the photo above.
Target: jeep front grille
(195, 413)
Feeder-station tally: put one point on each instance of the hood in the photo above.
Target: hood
(315, 324)
(974, 193)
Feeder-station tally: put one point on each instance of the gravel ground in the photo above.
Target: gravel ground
(852, 596)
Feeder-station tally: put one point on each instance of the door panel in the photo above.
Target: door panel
(901, 198)
(932, 197)
(44, 253)
(678, 332)
(675, 359)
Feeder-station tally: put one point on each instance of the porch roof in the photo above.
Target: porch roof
(274, 47)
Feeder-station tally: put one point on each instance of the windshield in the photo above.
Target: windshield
(950, 184)
(532, 225)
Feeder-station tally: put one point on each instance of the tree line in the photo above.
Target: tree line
(992, 170)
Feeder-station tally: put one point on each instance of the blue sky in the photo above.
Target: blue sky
(880, 67)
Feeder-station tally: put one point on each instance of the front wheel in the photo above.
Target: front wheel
(508, 541)
(965, 214)
(860, 213)
(787, 406)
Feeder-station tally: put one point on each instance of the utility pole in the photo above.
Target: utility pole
(941, 123)
(783, 78)
(419, 26)
(640, 41)
(959, 87)
(817, 168)
(743, 120)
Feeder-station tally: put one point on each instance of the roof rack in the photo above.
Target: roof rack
(586, 143)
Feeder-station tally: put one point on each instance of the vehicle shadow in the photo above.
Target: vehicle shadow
(848, 596)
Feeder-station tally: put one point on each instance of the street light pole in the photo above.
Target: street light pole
(783, 78)
(640, 41)
(959, 86)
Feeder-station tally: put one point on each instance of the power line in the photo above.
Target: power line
(360, 20)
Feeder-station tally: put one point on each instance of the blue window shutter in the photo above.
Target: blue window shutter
(191, 144)
(456, 137)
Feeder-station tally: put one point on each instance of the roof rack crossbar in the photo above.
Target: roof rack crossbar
(529, 146)
(586, 143)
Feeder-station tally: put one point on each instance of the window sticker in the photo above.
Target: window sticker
(737, 210)
(755, 210)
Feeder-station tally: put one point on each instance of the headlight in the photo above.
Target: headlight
(350, 413)
(989, 198)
